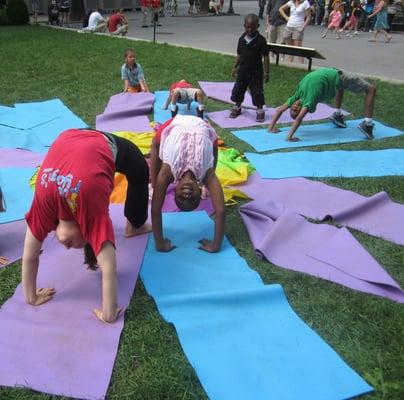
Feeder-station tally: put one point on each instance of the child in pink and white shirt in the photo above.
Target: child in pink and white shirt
(184, 151)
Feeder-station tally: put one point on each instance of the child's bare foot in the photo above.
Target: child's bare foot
(274, 130)
(292, 139)
(130, 230)
(388, 39)
(3, 260)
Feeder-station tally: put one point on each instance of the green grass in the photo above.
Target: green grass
(83, 70)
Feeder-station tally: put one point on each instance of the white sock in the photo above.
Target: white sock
(338, 111)
(201, 107)
(173, 107)
(368, 121)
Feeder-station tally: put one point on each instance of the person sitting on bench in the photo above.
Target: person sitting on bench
(323, 85)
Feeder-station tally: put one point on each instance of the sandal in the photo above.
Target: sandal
(235, 112)
(388, 39)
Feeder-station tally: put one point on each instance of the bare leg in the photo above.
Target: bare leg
(370, 101)
(289, 42)
(130, 230)
(299, 44)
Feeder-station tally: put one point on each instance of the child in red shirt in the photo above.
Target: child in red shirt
(183, 92)
(71, 197)
(118, 24)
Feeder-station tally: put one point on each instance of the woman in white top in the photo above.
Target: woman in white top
(300, 14)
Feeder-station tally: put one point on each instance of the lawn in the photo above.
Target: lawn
(38, 63)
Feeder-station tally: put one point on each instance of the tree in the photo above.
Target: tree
(17, 12)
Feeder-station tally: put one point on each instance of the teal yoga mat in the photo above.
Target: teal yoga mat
(313, 135)
(329, 163)
(161, 115)
(17, 193)
(39, 137)
(241, 336)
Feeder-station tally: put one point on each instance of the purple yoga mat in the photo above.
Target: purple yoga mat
(376, 215)
(12, 240)
(60, 347)
(170, 206)
(130, 104)
(247, 117)
(113, 123)
(19, 158)
(289, 241)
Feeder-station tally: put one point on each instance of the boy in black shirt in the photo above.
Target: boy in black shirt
(248, 69)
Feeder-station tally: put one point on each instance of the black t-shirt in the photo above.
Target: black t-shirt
(251, 53)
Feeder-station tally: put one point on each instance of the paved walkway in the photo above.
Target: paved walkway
(220, 33)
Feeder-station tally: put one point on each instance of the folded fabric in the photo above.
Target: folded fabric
(19, 158)
(376, 215)
(329, 163)
(14, 183)
(312, 135)
(161, 115)
(12, 237)
(289, 241)
(248, 117)
(60, 347)
(241, 336)
(142, 140)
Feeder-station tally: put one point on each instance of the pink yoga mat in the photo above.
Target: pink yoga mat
(289, 241)
(376, 215)
(247, 117)
(19, 158)
(60, 347)
(12, 237)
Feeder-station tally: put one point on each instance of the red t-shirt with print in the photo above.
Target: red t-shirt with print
(74, 183)
(180, 85)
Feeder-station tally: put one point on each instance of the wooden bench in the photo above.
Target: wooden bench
(306, 52)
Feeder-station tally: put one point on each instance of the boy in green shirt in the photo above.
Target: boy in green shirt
(323, 85)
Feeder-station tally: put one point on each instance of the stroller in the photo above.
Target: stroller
(53, 13)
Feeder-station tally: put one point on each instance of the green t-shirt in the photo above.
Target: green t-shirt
(315, 87)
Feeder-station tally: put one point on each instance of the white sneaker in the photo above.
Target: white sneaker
(356, 33)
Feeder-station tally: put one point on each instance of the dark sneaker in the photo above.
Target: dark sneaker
(338, 120)
(260, 116)
(199, 113)
(366, 129)
(235, 112)
(174, 113)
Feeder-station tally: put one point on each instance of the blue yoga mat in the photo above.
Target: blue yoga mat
(14, 183)
(312, 135)
(329, 163)
(41, 136)
(161, 115)
(241, 336)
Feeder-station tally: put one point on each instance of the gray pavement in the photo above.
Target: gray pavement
(220, 33)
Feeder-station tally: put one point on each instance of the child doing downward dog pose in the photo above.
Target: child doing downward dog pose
(184, 151)
(71, 198)
(183, 92)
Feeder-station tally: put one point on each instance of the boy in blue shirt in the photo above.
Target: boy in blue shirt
(132, 74)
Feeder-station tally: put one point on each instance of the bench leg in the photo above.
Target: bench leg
(309, 58)
(277, 58)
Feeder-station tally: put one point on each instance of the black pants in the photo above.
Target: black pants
(131, 163)
(254, 80)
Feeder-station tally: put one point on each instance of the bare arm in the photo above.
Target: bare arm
(159, 193)
(283, 13)
(106, 259)
(377, 9)
(30, 264)
(278, 112)
(307, 18)
(168, 101)
(126, 85)
(155, 162)
(296, 124)
(216, 194)
(143, 85)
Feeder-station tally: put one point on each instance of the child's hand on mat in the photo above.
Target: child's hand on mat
(3, 260)
(207, 245)
(165, 246)
(274, 129)
(99, 314)
(292, 139)
(43, 295)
